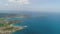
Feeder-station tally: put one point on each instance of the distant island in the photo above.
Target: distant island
(7, 27)
(7, 15)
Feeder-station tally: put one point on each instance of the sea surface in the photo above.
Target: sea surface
(49, 24)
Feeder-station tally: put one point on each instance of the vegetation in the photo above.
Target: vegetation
(10, 28)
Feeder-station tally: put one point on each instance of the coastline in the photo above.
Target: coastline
(15, 28)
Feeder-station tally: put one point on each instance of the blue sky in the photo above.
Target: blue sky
(33, 5)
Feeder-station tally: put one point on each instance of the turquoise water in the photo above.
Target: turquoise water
(41, 25)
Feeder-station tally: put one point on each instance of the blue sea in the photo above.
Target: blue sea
(49, 24)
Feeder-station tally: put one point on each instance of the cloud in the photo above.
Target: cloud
(16, 4)
(13, 4)
(21, 2)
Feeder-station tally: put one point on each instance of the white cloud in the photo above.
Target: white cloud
(18, 2)
(13, 4)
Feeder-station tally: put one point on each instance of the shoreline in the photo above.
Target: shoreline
(15, 28)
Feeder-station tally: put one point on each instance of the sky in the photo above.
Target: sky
(30, 5)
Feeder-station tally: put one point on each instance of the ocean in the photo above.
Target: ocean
(49, 24)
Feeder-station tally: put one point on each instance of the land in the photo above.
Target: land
(6, 15)
(7, 27)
